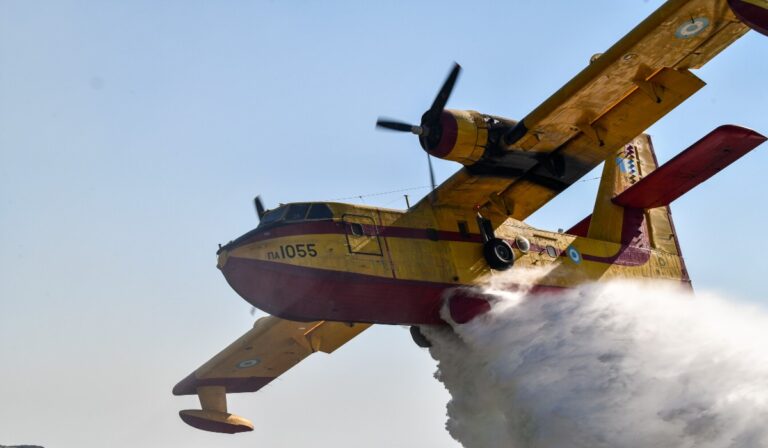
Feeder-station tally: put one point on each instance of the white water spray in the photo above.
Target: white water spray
(619, 364)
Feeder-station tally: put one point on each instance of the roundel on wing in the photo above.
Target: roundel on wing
(247, 363)
(691, 28)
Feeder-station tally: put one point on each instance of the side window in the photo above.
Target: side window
(362, 235)
(356, 229)
(551, 251)
(320, 211)
(296, 212)
(523, 244)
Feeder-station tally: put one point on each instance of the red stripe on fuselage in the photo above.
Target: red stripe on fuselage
(338, 227)
(627, 255)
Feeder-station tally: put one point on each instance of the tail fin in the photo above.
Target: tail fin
(648, 228)
(612, 222)
(632, 205)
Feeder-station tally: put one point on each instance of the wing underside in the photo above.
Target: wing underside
(614, 99)
(264, 353)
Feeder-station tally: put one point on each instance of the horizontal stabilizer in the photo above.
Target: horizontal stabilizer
(691, 167)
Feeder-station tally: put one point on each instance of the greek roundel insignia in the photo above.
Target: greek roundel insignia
(691, 28)
(574, 254)
(247, 363)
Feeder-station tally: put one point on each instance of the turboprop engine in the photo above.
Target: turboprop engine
(463, 136)
(466, 136)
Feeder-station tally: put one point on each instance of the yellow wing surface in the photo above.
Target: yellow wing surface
(262, 354)
(616, 97)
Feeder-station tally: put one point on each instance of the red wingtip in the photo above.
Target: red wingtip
(756, 17)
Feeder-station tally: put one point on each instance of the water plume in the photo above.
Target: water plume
(618, 364)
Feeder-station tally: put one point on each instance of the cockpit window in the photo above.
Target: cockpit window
(296, 212)
(272, 216)
(320, 211)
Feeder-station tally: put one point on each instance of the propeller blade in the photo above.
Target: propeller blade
(260, 210)
(398, 126)
(433, 114)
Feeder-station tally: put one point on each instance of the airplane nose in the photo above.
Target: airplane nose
(222, 257)
(223, 252)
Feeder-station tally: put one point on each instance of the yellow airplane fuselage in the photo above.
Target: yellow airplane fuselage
(324, 271)
(378, 265)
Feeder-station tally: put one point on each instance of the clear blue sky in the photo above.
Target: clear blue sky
(133, 136)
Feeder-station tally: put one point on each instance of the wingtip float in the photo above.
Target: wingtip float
(326, 271)
(215, 421)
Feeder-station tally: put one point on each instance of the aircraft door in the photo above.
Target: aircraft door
(362, 235)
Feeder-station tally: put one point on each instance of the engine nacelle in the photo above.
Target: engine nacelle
(463, 137)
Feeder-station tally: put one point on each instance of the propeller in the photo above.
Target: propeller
(398, 126)
(260, 210)
(429, 130)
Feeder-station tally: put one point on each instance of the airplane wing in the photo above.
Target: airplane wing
(616, 97)
(262, 354)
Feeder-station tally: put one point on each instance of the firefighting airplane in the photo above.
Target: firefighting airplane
(326, 271)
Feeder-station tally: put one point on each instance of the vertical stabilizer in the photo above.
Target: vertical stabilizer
(623, 169)
(652, 228)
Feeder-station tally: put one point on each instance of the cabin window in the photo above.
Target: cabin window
(523, 244)
(356, 229)
(362, 235)
(319, 211)
(551, 251)
(296, 212)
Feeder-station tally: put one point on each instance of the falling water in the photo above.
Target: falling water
(618, 364)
